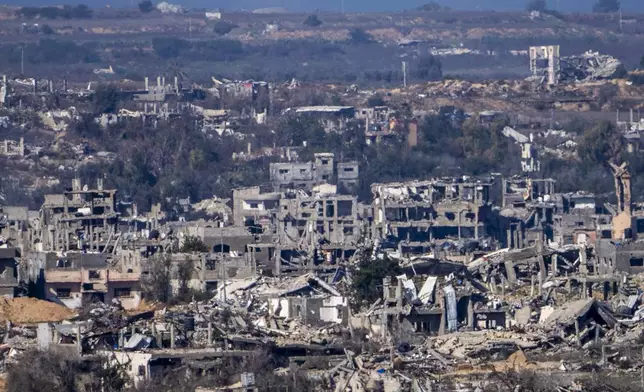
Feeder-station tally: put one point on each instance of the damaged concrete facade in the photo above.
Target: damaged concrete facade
(77, 279)
(307, 175)
(417, 213)
(79, 219)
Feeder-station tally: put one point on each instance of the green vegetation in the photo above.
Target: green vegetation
(537, 5)
(105, 99)
(367, 276)
(80, 11)
(606, 6)
(58, 370)
(146, 6)
(193, 244)
(375, 100)
(47, 30)
(156, 279)
(169, 47)
(428, 67)
(360, 37)
(600, 144)
(216, 50)
(223, 27)
(312, 21)
(433, 6)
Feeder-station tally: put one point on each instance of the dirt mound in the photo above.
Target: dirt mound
(26, 310)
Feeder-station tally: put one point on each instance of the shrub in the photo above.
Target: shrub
(312, 21)
(146, 6)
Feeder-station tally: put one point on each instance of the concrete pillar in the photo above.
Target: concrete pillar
(584, 291)
(470, 314)
(554, 265)
(510, 272)
(172, 335)
(399, 294)
(476, 223)
(79, 342)
(502, 286)
(542, 268)
(209, 333)
(56, 336)
(121, 338)
(595, 266)
(441, 329)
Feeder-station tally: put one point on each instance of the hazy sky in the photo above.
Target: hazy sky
(350, 5)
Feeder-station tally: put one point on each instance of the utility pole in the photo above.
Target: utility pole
(22, 60)
(404, 70)
(221, 252)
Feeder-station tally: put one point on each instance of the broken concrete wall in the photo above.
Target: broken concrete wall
(314, 311)
(251, 207)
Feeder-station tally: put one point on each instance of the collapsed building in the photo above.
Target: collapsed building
(549, 68)
(79, 219)
(560, 263)
(415, 214)
(308, 175)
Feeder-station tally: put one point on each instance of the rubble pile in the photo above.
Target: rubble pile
(589, 66)
(25, 310)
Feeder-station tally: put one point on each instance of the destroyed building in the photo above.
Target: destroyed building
(11, 148)
(76, 279)
(9, 265)
(545, 63)
(417, 213)
(305, 176)
(79, 219)
(548, 67)
(15, 228)
(332, 118)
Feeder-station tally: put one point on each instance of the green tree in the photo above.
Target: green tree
(432, 6)
(223, 27)
(105, 99)
(146, 6)
(375, 100)
(312, 21)
(193, 244)
(47, 30)
(600, 144)
(428, 67)
(607, 6)
(367, 276)
(156, 277)
(184, 272)
(169, 47)
(537, 5)
(360, 37)
(57, 370)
